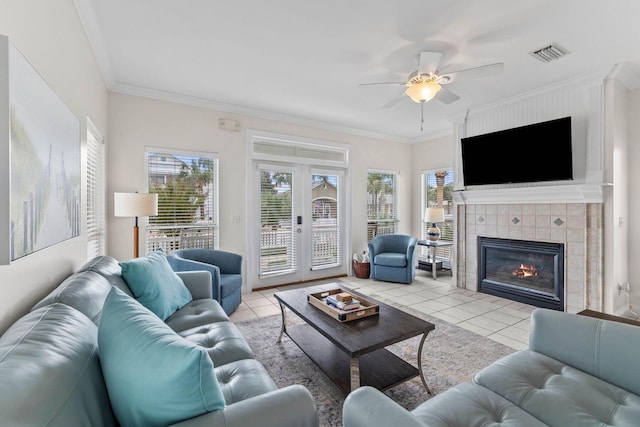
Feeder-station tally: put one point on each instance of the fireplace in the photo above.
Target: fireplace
(530, 272)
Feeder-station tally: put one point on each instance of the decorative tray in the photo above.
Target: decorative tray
(363, 308)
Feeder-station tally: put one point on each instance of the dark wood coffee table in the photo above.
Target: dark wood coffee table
(353, 353)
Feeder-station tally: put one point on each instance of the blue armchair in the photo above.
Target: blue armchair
(392, 258)
(225, 268)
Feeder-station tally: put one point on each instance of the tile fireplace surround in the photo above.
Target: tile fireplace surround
(577, 225)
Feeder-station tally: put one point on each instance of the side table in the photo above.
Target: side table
(433, 245)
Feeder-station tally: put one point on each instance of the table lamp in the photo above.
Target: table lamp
(135, 204)
(433, 216)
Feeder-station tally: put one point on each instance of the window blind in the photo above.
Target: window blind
(277, 231)
(326, 238)
(187, 188)
(96, 232)
(381, 204)
(438, 193)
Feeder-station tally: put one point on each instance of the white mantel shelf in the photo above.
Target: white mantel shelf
(573, 193)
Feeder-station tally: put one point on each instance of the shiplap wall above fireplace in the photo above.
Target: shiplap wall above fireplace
(583, 100)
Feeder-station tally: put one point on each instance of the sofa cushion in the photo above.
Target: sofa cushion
(222, 340)
(613, 347)
(197, 313)
(155, 285)
(154, 376)
(558, 394)
(391, 259)
(84, 291)
(50, 372)
(243, 379)
(471, 405)
(109, 268)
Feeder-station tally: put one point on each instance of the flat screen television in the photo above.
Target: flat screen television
(532, 153)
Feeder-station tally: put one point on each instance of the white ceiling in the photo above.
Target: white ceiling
(302, 61)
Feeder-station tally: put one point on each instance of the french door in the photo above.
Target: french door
(298, 216)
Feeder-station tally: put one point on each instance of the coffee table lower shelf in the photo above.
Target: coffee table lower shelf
(380, 369)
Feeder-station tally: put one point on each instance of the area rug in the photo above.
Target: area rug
(452, 355)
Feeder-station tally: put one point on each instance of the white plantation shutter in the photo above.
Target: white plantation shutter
(187, 188)
(382, 216)
(277, 226)
(96, 233)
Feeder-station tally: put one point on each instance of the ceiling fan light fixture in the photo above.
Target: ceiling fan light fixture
(423, 91)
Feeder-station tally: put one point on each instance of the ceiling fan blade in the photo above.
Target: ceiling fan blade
(383, 83)
(476, 72)
(394, 101)
(446, 96)
(428, 63)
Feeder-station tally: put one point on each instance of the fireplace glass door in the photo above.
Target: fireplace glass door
(527, 271)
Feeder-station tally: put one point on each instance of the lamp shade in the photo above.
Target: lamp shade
(433, 215)
(423, 91)
(135, 204)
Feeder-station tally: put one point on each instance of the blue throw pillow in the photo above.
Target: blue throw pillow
(155, 285)
(154, 376)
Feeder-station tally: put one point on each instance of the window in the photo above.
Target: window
(381, 203)
(96, 236)
(187, 188)
(326, 214)
(438, 193)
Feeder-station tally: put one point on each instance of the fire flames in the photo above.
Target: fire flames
(525, 271)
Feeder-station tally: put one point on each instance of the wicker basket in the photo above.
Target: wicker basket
(361, 269)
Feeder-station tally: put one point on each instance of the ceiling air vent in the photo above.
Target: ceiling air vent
(549, 53)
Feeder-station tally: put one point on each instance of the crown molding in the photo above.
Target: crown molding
(625, 74)
(195, 101)
(89, 21)
(431, 136)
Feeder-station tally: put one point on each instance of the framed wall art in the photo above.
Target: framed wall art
(40, 148)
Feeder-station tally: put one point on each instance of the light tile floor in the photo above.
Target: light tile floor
(499, 319)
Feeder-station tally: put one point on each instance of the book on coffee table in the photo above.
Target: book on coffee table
(365, 307)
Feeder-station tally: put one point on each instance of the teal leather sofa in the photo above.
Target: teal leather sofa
(578, 372)
(51, 375)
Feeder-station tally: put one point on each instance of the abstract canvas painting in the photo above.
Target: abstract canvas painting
(45, 162)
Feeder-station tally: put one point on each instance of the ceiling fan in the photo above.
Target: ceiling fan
(426, 82)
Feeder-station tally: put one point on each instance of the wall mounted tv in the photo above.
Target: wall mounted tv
(532, 153)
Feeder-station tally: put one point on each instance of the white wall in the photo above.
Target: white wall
(49, 34)
(136, 122)
(616, 212)
(434, 154)
(633, 123)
